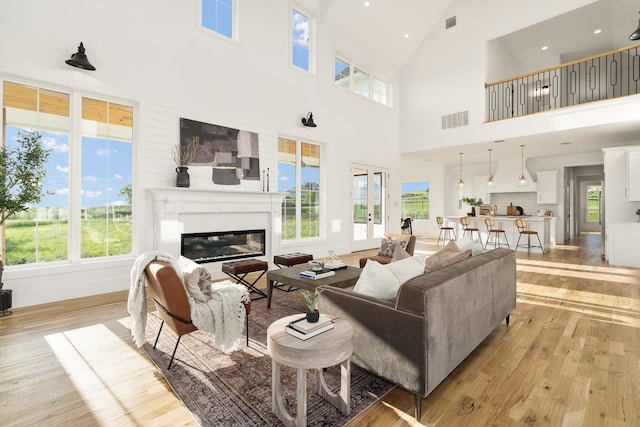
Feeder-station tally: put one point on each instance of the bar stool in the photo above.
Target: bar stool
(445, 231)
(465, 221)
(523, 228)
(491, 223)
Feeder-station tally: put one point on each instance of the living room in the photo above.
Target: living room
(156, 59)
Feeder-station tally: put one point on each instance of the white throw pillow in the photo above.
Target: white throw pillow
(406, 269)
(475, 245)
(377, 281)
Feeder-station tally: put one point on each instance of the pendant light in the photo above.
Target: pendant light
(490, 182)
(460, 181)
(522, 181)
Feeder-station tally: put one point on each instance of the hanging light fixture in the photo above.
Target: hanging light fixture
(490, 182)
(636, 34)
(522, 181)
(460, 181)
(79, 59)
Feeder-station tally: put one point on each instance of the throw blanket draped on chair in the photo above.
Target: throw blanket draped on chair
(222, 315)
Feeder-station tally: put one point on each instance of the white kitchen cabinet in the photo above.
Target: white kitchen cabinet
(633, 176)
(480, 188)
(623, 244)
(547, 187)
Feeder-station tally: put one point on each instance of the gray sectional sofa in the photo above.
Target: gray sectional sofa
(437, 320)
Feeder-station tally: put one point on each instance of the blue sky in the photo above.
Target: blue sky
(300, 53)
(408, 187)
(287, 176)
(217, 16)
(106, 168)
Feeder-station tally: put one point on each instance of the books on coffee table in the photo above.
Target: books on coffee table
(306, 336)
(319, 274)
(304, 326)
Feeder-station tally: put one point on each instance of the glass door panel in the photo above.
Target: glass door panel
(369, 209)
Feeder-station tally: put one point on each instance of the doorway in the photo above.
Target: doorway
(590, 206)
(369, 211)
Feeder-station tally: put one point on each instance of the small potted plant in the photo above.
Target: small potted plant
(311, 298)
(473, 202)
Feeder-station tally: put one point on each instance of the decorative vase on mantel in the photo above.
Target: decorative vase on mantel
(182, 179)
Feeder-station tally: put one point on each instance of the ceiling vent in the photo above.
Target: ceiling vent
(450, 22)
(455, 120)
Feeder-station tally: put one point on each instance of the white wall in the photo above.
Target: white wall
(150, 53)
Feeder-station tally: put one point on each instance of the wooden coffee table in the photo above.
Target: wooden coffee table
(343, 278)
(329, 348)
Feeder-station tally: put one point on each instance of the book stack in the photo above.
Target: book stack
(317, 274)
(304, 330)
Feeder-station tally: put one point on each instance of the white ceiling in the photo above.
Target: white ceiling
(376, 34)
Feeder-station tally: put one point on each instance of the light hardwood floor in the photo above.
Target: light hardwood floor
(570, 357)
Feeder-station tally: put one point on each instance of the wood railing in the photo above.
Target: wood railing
(606, 76)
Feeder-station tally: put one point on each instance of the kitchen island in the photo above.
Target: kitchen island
(544, 225)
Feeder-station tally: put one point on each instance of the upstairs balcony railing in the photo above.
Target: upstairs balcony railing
(606, 76)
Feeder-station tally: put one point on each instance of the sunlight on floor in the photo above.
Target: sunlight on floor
(583, 302)
(87, 355)
(578, 271)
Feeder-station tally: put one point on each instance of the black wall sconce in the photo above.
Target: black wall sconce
(308, 121)
(636, 34)
(79, 60)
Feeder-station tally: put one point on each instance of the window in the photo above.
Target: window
(300, 48)
(360, 81)
(299, 178)
(415, 200)
(40, 233)
(87, 210)
(106, 178)
(217, 16)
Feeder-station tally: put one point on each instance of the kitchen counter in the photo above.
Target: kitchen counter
(544, 225)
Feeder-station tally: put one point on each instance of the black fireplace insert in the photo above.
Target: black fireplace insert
(219, 246)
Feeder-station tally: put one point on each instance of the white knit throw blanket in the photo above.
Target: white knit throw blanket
(223, 315)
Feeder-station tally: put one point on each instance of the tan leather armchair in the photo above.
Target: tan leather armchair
(170, 298)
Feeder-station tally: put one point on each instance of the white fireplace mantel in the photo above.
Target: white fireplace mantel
(184, 210)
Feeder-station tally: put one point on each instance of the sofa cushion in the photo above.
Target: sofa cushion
(406, 269)
(388, 245)
(465, 243)
(377, 281)
(445, 256)
(399, 253)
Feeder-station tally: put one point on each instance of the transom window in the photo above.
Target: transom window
(356, 79)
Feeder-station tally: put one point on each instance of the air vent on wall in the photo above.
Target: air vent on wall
(455, 120)
(450, 22)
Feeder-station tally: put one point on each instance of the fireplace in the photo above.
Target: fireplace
(220, 246)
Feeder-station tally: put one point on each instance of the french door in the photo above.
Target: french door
(369, 211)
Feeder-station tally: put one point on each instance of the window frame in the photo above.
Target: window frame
(428, 198)
(235, 23)
(372, 76)
(299, 202)
(312, 39)
(75, 178)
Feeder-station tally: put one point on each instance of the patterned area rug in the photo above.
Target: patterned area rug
(235, 389)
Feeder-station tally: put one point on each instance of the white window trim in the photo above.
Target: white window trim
(352, 67)
(235, 29)
(312, 39)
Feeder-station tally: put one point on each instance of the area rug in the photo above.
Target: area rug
(235, 389)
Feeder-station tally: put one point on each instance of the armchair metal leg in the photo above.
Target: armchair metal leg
(174, 352)
(159, 330)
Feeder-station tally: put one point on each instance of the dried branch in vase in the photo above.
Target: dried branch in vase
(184, 155)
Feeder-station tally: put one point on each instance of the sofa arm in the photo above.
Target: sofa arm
(388, 342)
